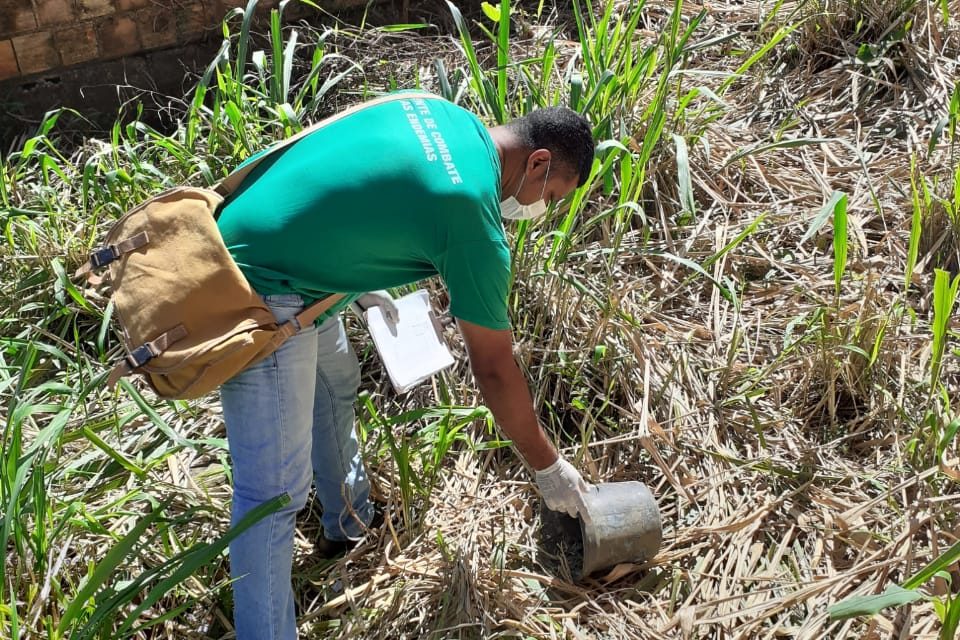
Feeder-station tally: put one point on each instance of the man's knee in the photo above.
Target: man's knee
(252, 491)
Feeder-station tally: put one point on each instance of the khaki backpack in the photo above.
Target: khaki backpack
(186, 315)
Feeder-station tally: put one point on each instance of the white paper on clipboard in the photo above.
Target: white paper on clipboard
(413, 349)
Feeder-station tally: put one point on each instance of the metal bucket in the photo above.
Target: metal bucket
(621, 524)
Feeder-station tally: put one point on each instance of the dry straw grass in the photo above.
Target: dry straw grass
(780, 471)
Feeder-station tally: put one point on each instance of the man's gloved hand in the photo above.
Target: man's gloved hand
(563, 488)
(380, 299)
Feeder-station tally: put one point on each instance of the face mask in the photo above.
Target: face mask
(511, 209)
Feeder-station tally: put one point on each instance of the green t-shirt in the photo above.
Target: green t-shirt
(390, 195)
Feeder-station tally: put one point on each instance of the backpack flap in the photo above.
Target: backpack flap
(178, 295)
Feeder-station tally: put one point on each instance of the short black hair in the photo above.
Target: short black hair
(563, 132)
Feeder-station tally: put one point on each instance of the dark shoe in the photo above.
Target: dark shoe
(377, 521)
(330, 549)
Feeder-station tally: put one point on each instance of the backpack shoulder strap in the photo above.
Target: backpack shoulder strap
(309, 315)
(304, 319)
(229, 184)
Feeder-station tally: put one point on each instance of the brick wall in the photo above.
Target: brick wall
(38, 36)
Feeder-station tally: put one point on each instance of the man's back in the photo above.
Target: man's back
(387, 196)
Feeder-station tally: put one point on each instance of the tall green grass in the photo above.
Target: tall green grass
(417, 454)
(947, 607)
(66, 444)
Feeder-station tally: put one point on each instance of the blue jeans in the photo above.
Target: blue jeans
(290, 417)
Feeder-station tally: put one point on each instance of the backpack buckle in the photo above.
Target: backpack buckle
(140, 356)
(104, 256)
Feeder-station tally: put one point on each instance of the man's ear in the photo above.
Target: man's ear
(537, 162)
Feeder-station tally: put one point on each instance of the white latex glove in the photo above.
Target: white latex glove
(380, 299)
(563, 488)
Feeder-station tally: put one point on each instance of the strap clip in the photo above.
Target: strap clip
(140, 356)
(104, 256)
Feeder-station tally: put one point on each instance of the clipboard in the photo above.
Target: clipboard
(413, 349)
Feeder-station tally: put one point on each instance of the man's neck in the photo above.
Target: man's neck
(511, 157)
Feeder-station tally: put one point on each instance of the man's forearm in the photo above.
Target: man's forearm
(506, 394)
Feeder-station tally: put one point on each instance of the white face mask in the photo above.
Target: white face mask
(511, 209)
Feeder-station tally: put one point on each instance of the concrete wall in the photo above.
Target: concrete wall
(43, 36)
